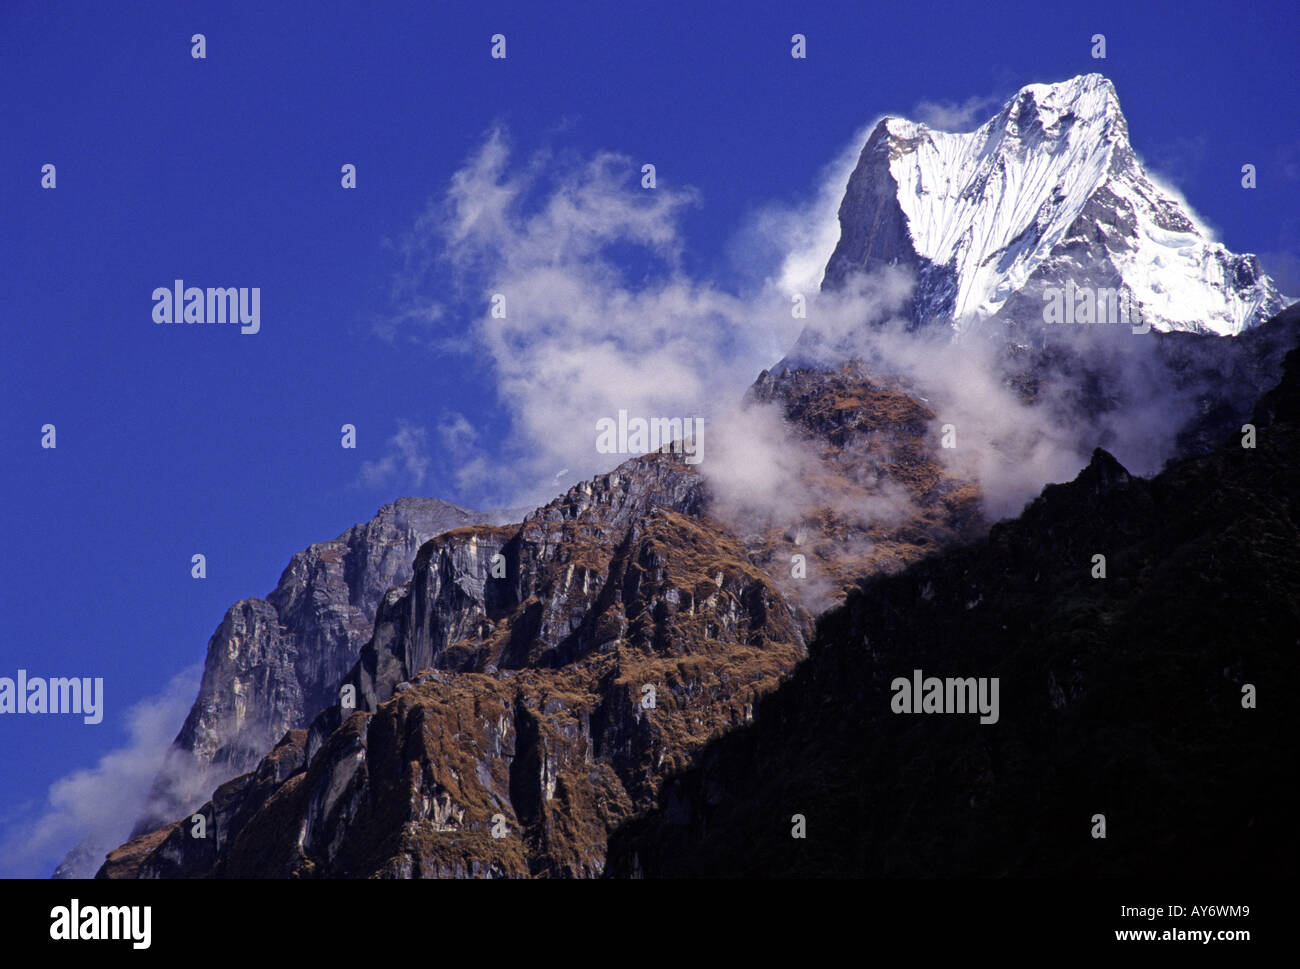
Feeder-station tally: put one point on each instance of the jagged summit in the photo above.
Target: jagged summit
(274, 662)
(1036, 113)
(520, 692)
(1045, 193)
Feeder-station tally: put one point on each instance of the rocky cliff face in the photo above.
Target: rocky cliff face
(274, 662)
(540, 680)
(536, 690)
(1122, 696)
(877, 496)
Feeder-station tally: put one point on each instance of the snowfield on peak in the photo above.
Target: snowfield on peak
(1047, 191)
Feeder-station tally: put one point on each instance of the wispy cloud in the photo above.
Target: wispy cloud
(598, 314)
(784, 246)
(405, 461)
(96, 807)
(957, 116)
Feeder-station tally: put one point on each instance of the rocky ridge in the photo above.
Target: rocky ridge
(273, 662)
(1127, 696)
(507, 683)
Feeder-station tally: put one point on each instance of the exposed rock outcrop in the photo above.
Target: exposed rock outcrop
(274, 662)
(540, 680)
(1140, 696)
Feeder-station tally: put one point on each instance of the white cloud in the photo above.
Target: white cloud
(584, 337)
(956, 117)
(798, 239)
(599, 315)
(456, 432)
(405, 461)
(97, 806)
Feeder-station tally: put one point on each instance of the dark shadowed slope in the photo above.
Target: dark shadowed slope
(1120, 696)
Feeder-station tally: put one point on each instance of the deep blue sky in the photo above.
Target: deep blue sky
(226, 172)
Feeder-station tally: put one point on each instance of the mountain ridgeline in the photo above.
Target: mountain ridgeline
(1048, 191)
(1137, 699)
(540, 680)
(633, 680)
(273, 663)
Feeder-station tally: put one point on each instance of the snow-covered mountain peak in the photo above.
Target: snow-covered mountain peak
(1045, 193)
(1040, 113)
(1088, 97)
